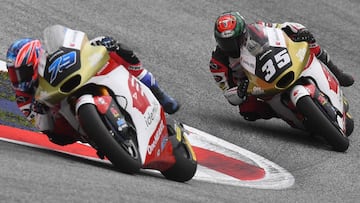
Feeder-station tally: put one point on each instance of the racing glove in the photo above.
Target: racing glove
(304, 35)
(39, 107)
(238, 94)
(242, 88)
(108, 42)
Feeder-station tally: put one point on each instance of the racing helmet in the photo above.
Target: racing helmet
(22, 62)
(230, 33)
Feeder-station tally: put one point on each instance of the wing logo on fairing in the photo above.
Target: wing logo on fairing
(140, 101)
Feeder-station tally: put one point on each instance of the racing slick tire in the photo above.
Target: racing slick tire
(99, 133)
(317, 122)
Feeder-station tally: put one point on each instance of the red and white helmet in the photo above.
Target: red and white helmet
(22, 62)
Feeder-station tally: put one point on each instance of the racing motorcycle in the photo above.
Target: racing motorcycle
(109, 108)
(298, 87)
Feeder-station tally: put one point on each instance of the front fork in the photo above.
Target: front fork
(320, 99)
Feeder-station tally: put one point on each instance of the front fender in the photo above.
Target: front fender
(299, 91)
(84, 99)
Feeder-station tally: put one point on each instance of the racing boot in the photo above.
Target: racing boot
(349, 121)
(169, 104)
(61, 140)
(344, 79)
(349, 124)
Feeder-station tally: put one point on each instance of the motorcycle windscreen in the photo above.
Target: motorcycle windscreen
(57, 36)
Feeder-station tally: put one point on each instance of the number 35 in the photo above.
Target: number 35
(281, 59)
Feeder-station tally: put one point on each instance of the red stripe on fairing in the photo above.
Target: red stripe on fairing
(40, 139)
(227, 165)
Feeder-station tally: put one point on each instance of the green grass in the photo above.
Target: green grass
(14, 118)
(6, 92)
(3, 75)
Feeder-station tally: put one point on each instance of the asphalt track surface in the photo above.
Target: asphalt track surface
(174, 40)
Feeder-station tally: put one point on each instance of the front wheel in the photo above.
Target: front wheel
(316, 121)
(124, 156)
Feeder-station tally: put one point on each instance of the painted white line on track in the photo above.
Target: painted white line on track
(3, 66)
(276, 177)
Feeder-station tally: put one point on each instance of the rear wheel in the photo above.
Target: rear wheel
(185, 167)
(123, 155)
(317, 122)
(349, 124)
(349, 120)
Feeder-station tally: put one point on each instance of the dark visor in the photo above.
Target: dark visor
(23, 73)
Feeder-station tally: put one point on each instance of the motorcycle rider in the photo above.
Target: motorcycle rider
(230, 32)
(22, 63)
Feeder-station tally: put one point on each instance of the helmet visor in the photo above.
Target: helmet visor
(231, 46)
(20, 74)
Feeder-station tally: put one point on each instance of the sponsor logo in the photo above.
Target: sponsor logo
(163, 143)
(150, 116)
(295, 93)
(114, 112)
(301, 54)
(266, 53)
(226, 25)
(60, 64)
(94, 59)
(257, 90)
(132, 67)
(214, 66)
(248, 63)
(157, 135)
(218, 78)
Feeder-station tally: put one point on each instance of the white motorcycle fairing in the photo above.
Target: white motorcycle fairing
(139, 102)
(298, 87)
